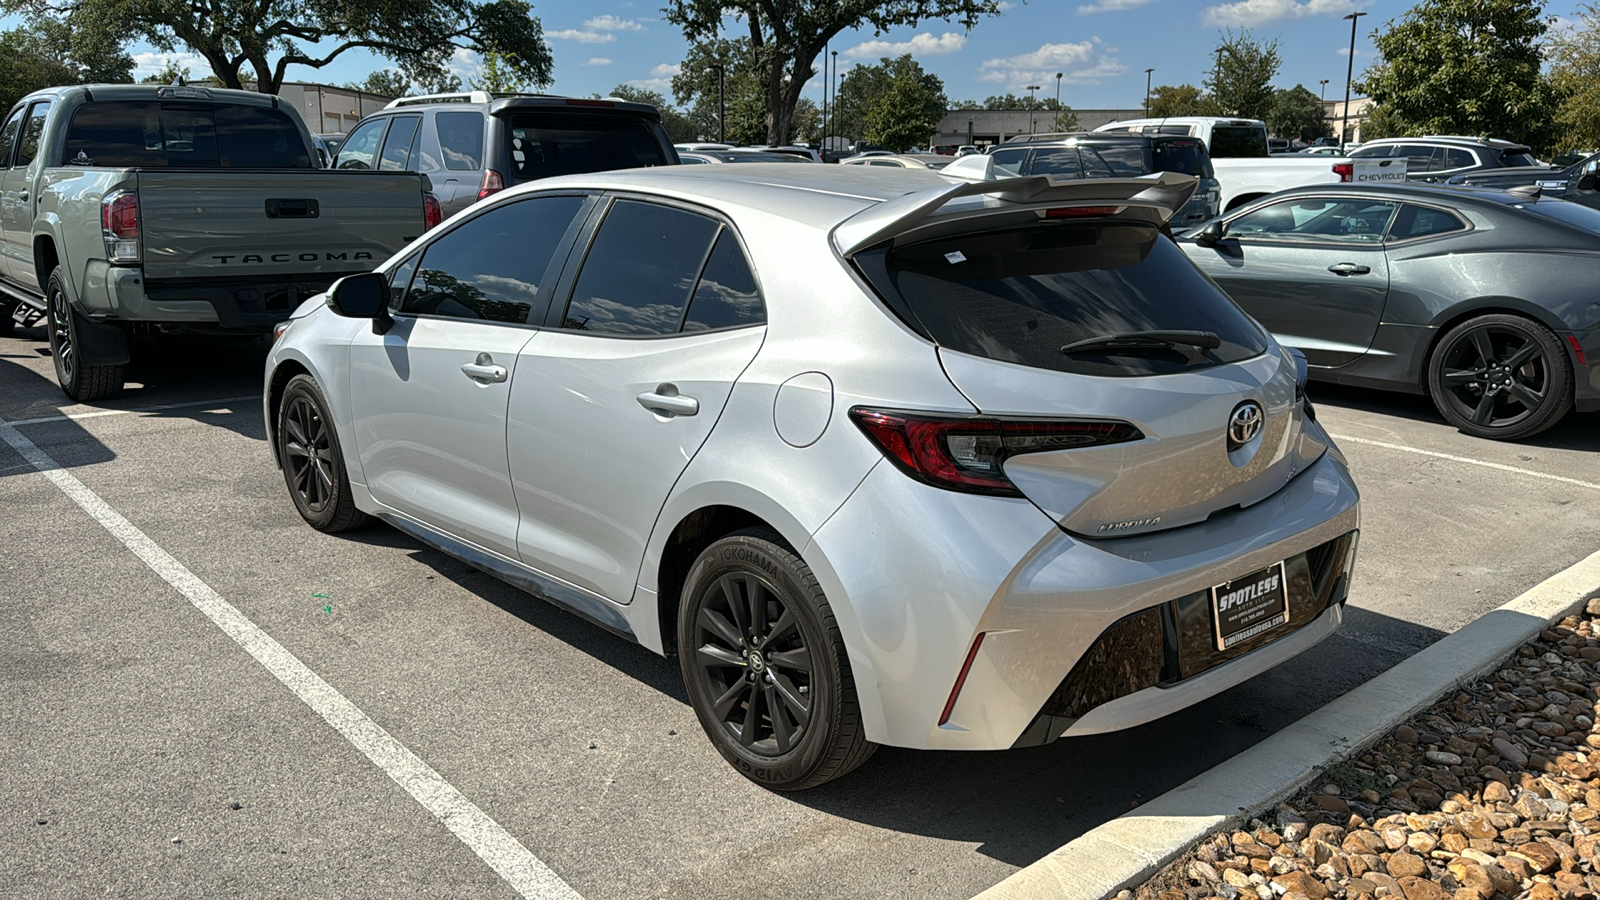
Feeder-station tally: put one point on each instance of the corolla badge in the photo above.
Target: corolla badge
(1244, 424)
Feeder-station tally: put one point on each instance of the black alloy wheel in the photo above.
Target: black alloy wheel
(63, 341)
(79, 381)
(765, 666)
(313, 466)
(1501, 376)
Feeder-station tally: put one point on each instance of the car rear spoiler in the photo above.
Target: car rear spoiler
(1160, 196)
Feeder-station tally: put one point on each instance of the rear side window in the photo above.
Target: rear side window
(1019, 295)
(640, 269)
(1517, 158)
(32, 133)
(1009, 162)
(1061, 161)
(1186, 157)
(542, 145)
(1238, 141)
(1421, 221)
(726, 296)
(1419, 157)
(1457, 158)
(461, 140)
(1115, 162)
(490, 268)
(154, 134)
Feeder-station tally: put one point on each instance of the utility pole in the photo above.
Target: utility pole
(835, 89)
(1349, 71)
(821, 142)
(1031, 89)
(1058, 98)
(722, 107)
(1147, 91)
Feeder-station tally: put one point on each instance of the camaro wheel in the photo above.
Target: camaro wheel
(79, 381)
(1501, 376)
(313, 467)
(765, 666)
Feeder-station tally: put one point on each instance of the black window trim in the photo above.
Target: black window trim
(38, 152)
(1343, 245)
(383, 144)
(559, 261)
(1436, 207)
(11, 152)
(555, 315)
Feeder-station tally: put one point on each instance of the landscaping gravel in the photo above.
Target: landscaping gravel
(1489, 793)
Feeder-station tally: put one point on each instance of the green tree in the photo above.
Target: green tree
(696, 86)
(384, 83)
(169, 74)
(1012, 101)
(785, 36)
(966, 105)
(497, 76)
(1241, 83)
(1465, 67)
(1181, 100)
(889, 101)
(268, 36)
(680, 128)
(1297, 114)
(47, 52)
(1066, 120)
(1574, 55)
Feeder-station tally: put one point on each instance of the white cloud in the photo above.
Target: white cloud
(923, 44)
(660, 80)
(1109, 6)
(1264, 12)
(582, 37)
(598, 61)
(1086, 62)
(146, 64)
(612, 23)
(465, 65)
(1006, 5)
(1344, 52)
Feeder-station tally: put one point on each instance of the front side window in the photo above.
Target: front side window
(8, 136)
(360, 149)
(32, 133)
(640, 270)
(491, 267)
(1186, 157)
(460, 140)
(396, 155)
(1316, 219)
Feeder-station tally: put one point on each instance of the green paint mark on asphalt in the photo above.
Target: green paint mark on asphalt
(328, 609)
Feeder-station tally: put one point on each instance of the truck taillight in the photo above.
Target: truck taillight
(119, 226)
(492, 184)
(432, 213)
(1345, 171)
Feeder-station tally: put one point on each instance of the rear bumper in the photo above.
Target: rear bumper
(122, 294)
(921, 572)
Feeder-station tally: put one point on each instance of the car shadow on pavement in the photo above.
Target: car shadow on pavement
(1577, 431)
(18, 381)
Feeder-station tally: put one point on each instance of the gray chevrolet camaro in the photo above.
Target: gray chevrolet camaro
(1484, 300)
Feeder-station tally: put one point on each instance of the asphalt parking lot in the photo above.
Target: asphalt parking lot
(143, 752)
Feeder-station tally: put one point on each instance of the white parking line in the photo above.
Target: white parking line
(1342, 438)
(73, 417)
(484, 836)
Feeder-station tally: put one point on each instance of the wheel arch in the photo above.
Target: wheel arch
(1448, 319)
(688, 539)
(46, 258)
(286, 370)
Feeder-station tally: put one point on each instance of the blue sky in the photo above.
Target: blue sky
(1101, 47)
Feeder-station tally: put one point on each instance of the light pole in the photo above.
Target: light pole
(1031, 89)
(1058, 98)
(835, 130)
(1323, 96)
(722, 108)
(1349, 70)
(820, 141)
(1147, 73)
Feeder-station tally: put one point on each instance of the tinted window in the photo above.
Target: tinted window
(1518, 158)
(640, 269)
(400, 280)
(1019, 295)
(543, 145)
(153, 135)
(1380, 151)
(1184, 157)
(1316, 219)
(1009, 161)
(360, 149)
(1421, 221)
(726, 296)
(1419, 157)
(1235, 141)
(1116, 162)
(1056, 161)
(397, 143)
(1457, 158)
(32, 133)
(460, 139)
(8, 136)
(490, 268)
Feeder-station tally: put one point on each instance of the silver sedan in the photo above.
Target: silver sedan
(877, 457)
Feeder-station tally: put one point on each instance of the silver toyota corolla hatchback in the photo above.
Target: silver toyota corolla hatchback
(879, 457)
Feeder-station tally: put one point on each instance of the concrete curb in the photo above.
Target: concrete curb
(1127, 850)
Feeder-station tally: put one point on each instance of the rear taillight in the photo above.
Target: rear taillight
(119, 226)
(432, 212)
(961, 453)
(1345, 171)
(492, 184)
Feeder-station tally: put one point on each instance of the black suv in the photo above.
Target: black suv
(1110, 154)
(474, 144)
(1438, 158)
(1577, 182)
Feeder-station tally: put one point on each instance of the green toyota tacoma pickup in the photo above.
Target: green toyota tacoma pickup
(142, 210)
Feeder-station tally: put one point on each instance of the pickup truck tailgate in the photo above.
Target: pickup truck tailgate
(240, 223)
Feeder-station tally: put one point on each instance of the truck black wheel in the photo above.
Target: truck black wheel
(313, 465)
(8, 308)
(765, 665)
(80, 382)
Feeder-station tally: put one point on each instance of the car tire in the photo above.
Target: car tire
(8, 325)
(1500, 376)
(313, 464)
(80, 382)
(749, 593)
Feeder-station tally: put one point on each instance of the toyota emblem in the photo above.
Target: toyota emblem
(1245, 424)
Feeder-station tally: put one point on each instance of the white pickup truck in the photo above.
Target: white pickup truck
(1246, 170)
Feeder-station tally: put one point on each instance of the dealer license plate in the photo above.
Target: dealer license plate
(1249, 606)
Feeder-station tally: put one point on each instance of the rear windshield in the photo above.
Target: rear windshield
(1518, 157)
(543, 145)
(1019, 295)
(1235, 141)
(154, 134)
(1184, 156)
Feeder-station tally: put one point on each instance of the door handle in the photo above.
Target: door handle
(665, 400)
(1348, 269)
(484, 370)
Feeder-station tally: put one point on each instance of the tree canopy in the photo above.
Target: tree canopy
(895, 104)
(1297, 114)
(1465, 67)
(383, 82)
(785, 36)
(48, 52)
(265, 37)
(695, 87)
(1575, 73)
(1241, 82)
(1181, 100)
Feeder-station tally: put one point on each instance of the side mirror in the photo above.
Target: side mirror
(1210, 235)
(364, 296)
(1587, 182)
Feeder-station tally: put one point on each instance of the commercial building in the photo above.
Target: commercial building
(996, 126)
(330, 110)
(1333, 111)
